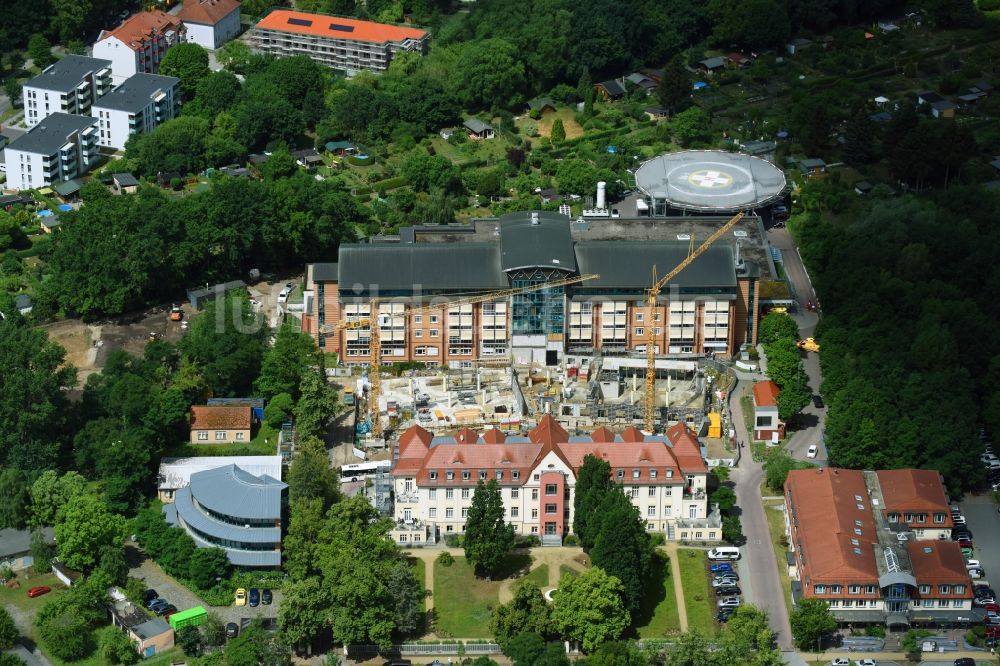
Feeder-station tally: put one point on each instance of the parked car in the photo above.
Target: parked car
(166, 608)
(283, 295)
(973, 564)
(38, 591)
(176, 314)
(720, 567)
(976, 573)
(156, 603)
(254, 596)
(841, 661)
(729, 589)
(992, 608)
(813, 451)
(727, 574)
(615, 213)
(724, 615)
(965, 543)
(241, 597)
(232, 630)
(818, 402)
(149, 595)
(965, 661)
(865, 662)
(729, 602)
(266, 597)
(724, 582)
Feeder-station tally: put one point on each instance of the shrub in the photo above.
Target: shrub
(657, 538)
(989, 5)
(454, 540)
(446, 559)
(571, 540)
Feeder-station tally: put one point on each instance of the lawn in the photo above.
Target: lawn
(566, 570)
(19, 597)
(568, 116)
(420, 571)
(776, 526)
(539, 577)
(462, 602)
(698, 598)
(265, 443)
(658, 616)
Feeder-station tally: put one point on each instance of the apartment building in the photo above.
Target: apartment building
(345, 44)
(69, 85)
(139, 43)
(870, 570)
(435, 477)
(61, 147)
(137, 106)
(709, 308)
(210, 23)
(915, 500)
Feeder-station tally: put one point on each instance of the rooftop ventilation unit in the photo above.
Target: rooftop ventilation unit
(739, 233)
(683, 237)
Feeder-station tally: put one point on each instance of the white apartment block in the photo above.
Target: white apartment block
(435, 478)
(61, 147)
(210, 23)
(69, 85)
(137, 106)
(139, 43)
(345, 44)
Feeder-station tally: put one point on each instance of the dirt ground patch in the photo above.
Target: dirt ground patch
(573, 129)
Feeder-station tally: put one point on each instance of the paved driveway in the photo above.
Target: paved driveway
(984, 522)
(180, 596)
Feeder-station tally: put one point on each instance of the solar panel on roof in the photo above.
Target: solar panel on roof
(297, 21)
(342, 28)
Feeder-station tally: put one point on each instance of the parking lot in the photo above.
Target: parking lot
(984, 523)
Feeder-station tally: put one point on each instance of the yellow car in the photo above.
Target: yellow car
(241, 597)
(809, 345)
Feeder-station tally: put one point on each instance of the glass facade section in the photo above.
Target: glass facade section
(540, 312)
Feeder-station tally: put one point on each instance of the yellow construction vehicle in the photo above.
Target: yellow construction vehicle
(809, 345)
(375, 340)
(651, 295)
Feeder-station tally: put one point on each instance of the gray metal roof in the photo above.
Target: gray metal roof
(525, 244)
(897, 578)
(66, 74)
(125, 180)
(713, 63)
(151, 628)
(234, 492)
(176, 472)
(325, 272)
(427, 266)
(612, 87)
(18, 542)
(629, 264)
(48, 136)
(191, 516)
(812, 163)
(136, 92)
(476, 125)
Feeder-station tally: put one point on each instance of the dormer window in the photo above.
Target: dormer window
(652, 473)
(482, 475)
(499, 475)
(620, 474)
(466, 475)
(670, 473)
(635, 474)
(450, 476)
(433, 475)
(515, 475)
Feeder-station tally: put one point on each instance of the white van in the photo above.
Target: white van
(724, 553)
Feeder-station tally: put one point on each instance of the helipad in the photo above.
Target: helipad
(710, 181)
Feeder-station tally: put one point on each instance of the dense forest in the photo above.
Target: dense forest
(911, 353)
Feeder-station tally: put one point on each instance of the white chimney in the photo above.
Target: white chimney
(534, 218)
(600, 195)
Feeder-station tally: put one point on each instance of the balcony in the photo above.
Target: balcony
(694, 494)
(408, 498)
(714, 521)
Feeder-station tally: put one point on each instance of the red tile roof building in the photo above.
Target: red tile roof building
(341, 43)
(220, 424)
(765, 408)
(139, 43)
(210, 23)
(915, 497)
(848, 554)
(666, 476)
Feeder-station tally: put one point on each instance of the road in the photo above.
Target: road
(984, 523)
(812, 419)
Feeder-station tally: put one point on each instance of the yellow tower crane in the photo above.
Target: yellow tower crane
(375, 344)
(651, 295)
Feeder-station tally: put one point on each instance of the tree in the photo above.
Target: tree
(13, 499)
(793, 397)
(784, 362)
(776, 469)
(732, 529)
(208, 566)
(292, 355)
(558, 132)
(409, 596)
(622, 546)
(11, 659)
(67, 636)
(525, 648)
(592, 483)
(488, 70)
(42, 552)
(113, 564)
(40, 51)
(316, 406)
(302, 617)
(116, 647)
(83, 528)
(213, 630)
(810, 121)
(526, 613)
(13, 89)
(189, 638)
(215, 93)
(488, 536)
(617, 653)
(589, 609)
(49, 492)
(674, 90)
(691, 649)
(811, 622)
(33, 405)
(227, 341)
(690, 126)
(8, 630)
(234, 56)
(777, 326)
(188, 62)
(861, 145)
(724, 497)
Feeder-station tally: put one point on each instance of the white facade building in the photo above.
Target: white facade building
(210, 23)
(434, 479)
(70, 85)
(139, 43)
(61, 147)
(138, 105)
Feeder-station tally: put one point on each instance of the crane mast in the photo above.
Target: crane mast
(651, 296)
